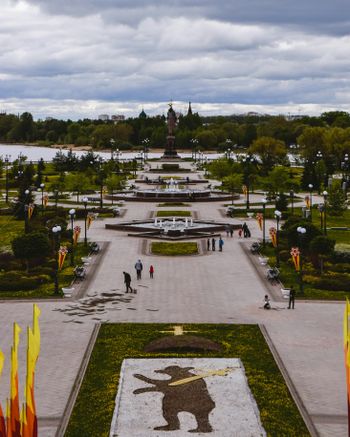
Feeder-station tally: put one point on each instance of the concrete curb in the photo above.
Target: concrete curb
(292, 389)
(77, 384)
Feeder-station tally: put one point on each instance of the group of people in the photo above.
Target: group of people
(138, 268)
(267, 303)
(211, 243)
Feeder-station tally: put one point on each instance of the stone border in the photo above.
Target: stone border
(292, 389)
(274, 290)
(194, 214)
(146, 249)
(64, 420)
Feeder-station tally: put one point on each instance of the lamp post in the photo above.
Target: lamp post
(264, 202)
(301, 232)
(345, 168)
(112, 142)
(72, 215)
(247, 161)
(85, 201)
(26, 222)
(325, 194)
(194, 142)
(291, 193)
(321, 210)
(56, 232)
(278, 216)
(7, 159)
(310, 188)
(145, 144)
(42, 198)
(56, 199)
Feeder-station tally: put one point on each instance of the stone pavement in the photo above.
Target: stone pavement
(211, 288)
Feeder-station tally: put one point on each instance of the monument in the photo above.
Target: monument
(170, 152)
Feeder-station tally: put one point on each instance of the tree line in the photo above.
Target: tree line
(193, 131)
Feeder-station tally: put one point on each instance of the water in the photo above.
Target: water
(34, 153)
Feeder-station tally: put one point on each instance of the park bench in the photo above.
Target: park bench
(79, 273)
(273, 274)
(255, 247)
(94, 247)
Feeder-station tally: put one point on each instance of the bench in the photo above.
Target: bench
(94, 247)
(79, 273)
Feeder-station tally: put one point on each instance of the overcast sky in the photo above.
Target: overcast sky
(81, 58)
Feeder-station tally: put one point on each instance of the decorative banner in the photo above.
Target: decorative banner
(90, 219)
(45, 200)
(62, 256)
(295, 252)
(76, 233)
(260, 218)
(347, 355)
(244, 189)
(273, 235)
(15, 419)
(30, 210)
(2, 418)
(307, 202)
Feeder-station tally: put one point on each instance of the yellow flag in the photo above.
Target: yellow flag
(345, 324)
(2, 360)
(36, 327)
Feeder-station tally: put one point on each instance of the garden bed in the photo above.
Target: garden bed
(174, 249)
(173, 213)
(92, 413)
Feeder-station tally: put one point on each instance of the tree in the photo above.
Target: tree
(321, 246)
(114, 183)
(77, 182)
(30, 246)
(232, 183)
(223, 167)
(270, 152)
(336, 204)
(278, 181)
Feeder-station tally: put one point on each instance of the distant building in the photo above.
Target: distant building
(117, 118)
(142, 114)
(103, 117)
(48, 118)
(189, 111)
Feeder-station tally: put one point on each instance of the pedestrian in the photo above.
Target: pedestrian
(127, 282)
(208, 244)
(213, 241)
(244, 228)
(231, 231)
(138, 268)
(291, 298)
(248, 232)
(240, 230)
(267, 305)
(221, 244)
(151, 271)
(227, 228)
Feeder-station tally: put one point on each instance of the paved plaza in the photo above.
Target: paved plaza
(213, 287)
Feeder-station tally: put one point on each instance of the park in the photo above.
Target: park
(71, 226)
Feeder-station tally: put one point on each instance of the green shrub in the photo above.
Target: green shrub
(173, 213)
(330, 281)
(172, 249)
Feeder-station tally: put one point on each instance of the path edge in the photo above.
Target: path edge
(292, 389)
(62, 427)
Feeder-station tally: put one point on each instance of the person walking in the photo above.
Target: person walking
(138, 268)
(231, 231)
(127, 282)
(227, 228)
(151, 271)
(221, 244)
(208, 244)
(240, 230)
(213, 241)
(291, 298)
(244, 228)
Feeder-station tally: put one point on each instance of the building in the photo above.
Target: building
(103, 117)
(117, 118)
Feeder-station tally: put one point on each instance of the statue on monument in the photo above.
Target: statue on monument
(170, 151)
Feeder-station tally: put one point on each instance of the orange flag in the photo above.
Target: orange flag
(15, 423)
(273, 235)
(307, 201)
(62, 256)
(45, 200)
(295, 252)
(76, 233)
(2, 418)
(260, 218)
(30, 210)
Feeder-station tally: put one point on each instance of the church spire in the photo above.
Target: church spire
(189, 112)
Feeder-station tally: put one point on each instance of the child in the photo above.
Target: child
(151, 271)
(240, 230)
(267, 305)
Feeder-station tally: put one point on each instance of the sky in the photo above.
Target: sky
(81, 58)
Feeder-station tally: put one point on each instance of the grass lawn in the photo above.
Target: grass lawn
(174, 204)
(93, 410)
(174, 214)
(173, 249)
(9, 229)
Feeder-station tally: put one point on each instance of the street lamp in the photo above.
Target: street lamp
(85, 201)
(72, 215)
(301, 232)
(7, 159)
(291, 193)
(325, 194)
(56, 232)
(345, 168)
(194, 142)
(247, 161)
(278, 216)
(145, 143)
(310, 188)
(112, 142)
(264, 202)
(56, 199)
(26, 206)
(42, 198)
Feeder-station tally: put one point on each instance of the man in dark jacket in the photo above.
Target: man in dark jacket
(291, 298)
(127, 282)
